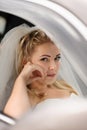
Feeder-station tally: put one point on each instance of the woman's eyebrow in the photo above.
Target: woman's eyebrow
(45, 55)
(58, 54)
(49, 55)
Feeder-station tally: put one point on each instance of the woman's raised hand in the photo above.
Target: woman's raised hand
(31, 72)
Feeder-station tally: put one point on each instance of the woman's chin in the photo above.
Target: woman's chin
(49, 82)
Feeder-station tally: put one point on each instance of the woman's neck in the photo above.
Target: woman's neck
(38, 86)
(39, 89)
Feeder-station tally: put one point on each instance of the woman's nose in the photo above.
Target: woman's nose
(52, 66)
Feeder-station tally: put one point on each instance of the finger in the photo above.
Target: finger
(35, 79)
(37, 71)
(29, 63)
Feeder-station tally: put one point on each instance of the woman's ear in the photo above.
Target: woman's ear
(24, 61)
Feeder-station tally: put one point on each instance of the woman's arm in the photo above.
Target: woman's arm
(18, 102)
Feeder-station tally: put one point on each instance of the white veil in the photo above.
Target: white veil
(7, 63)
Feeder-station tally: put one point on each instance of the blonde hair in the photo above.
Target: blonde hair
(61, 84)
(27, 44)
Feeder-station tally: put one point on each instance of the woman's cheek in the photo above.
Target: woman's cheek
(58, 65)
(45, 68)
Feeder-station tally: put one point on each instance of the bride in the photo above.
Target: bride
(30, 72)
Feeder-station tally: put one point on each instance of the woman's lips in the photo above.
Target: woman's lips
(51, 75)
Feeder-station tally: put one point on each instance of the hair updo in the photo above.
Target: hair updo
(27, 44)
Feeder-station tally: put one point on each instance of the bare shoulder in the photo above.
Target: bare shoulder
(66, 93)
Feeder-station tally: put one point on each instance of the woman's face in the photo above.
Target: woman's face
(47, 56)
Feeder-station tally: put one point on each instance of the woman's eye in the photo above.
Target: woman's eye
(58, 58)
(44, 59)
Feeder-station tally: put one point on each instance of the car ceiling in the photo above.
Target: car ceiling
(78, 7)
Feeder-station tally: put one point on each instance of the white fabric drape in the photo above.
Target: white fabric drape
(7, 63)
(72, 43)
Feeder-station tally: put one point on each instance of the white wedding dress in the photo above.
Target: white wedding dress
(7, 65)
(56, 114)
(50, 114)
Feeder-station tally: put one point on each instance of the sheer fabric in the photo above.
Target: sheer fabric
(56, 114)
(7, 64)
(7, 61)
